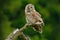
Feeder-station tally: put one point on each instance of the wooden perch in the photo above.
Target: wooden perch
(24, 37)
(18, 32)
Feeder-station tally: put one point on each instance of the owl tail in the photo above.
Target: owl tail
(37, 28)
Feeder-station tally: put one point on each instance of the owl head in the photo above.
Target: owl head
(29, 8)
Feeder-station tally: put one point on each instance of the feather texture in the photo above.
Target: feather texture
(34, 18)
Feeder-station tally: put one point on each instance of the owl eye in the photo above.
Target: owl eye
(30, 7)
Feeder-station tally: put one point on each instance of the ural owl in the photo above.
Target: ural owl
(33, 18)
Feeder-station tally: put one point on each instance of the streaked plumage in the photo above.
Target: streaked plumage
(33, 18)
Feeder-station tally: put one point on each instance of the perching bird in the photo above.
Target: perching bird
(33, 18)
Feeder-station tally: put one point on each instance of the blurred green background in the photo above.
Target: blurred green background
(12, 16)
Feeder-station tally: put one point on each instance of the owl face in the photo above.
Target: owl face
(29, 8)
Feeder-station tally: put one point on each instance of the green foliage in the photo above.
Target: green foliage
(12, 16)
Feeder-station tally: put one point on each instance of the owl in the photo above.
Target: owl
(33, 18)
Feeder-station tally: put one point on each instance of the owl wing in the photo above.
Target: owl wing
(38, 14)
(39, 21)
(37, 17)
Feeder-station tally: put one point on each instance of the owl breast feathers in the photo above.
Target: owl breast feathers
(33, 18)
